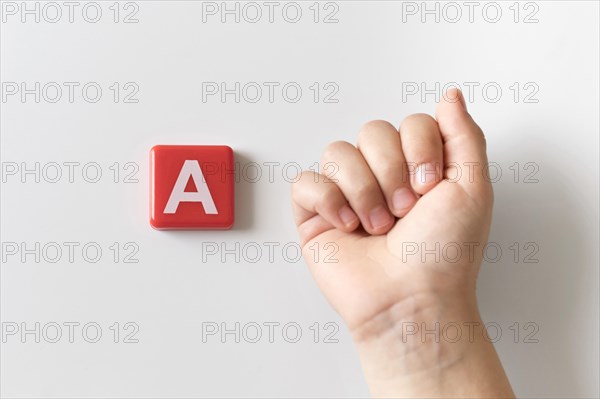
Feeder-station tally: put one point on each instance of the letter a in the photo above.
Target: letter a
(191, 168)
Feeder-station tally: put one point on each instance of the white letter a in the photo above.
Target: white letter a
(191, 168)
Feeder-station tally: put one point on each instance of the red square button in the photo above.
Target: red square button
(191, 187)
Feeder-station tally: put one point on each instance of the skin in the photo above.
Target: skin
(382, 205)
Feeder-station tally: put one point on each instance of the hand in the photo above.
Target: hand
(408, 212)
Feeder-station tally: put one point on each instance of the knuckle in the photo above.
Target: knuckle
(374, 127)
(305, 174)
(327, 199)
(336, 149)
(303, 181)
(373, 130)
(417, 119)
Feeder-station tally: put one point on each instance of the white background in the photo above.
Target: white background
(370, 54)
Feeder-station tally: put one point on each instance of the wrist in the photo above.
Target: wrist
(429, 346)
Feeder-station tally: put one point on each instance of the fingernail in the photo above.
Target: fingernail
(425, 174)
(380, 217)
(347, 216)
(402, 199)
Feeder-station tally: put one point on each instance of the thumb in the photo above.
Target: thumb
(464, 143)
